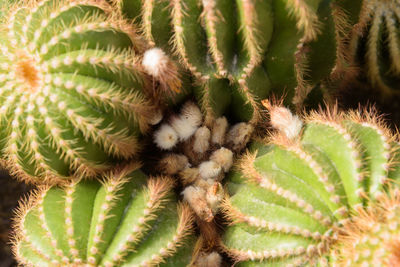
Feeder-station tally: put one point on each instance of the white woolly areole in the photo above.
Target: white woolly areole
(223, 157)
(284, 121)
(211, 260)
(209, 169)
(196, 197)
(219, 129)
(155, 61)
(183, 128)
(191, 113)
(201, 140)
(239, 135)
(165, 137)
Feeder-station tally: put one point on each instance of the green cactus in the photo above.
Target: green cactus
(321, 195)
(241, 51)
(375, 42)
(72, 98)
(126, 220)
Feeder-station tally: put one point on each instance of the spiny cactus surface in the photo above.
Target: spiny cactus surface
(375, 42)
(70, 90)
(122, 221)
(321, 195)
(240, 51)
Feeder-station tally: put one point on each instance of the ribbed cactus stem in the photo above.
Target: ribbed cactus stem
(320, 194)
(72, 89)
(123, 221)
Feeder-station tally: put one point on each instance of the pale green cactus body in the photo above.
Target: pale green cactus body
(71, 90)
(315, 199)
(123, 221)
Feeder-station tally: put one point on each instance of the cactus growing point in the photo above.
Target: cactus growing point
(325, 196)
(72, 98)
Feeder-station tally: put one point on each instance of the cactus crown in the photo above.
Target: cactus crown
(71, 99)
(319, 194)
(123, 220)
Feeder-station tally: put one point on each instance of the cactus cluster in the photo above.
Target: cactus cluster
(200, 156)
(73, 93)
(82, 81)
(375, 42)
(319, 194)
(240, 51)
(125, 220)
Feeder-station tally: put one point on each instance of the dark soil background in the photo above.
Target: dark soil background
(11, 191)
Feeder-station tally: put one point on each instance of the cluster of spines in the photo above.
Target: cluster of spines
(58, 89)
(341, 162)
(374, 42)
(99, 234)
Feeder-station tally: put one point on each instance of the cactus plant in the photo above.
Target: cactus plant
(319, 195)
(375, 44)
(240, 51)
(126, 220)
(72, 98)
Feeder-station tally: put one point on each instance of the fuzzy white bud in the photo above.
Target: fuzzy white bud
(201, 140)
(239, 135)
(223, 157)
(210, 260)
(209, 169)
(284, 121)
(196, 197)
(155, 61)
(165, 137)
(191, 113)
(183, 128)
(219, 129)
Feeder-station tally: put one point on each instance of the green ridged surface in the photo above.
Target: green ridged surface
(123, 221)
(254, 48)
(284, 197)
(71, 93)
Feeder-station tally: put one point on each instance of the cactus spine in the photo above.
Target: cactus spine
(122, 221)
(322, 196)
(375, 42)
(72, 99)
(240, 51)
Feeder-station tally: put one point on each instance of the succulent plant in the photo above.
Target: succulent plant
(375, 42)
(323, 194)
(241, 51)
(72, 98)
(125, 220)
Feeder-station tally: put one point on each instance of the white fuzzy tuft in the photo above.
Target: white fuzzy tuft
(191, 113)
(201, 140)
(209, 169)
(183, 128)
(196, 197)
(223, 157)
(284, 121)
(219, 129)
(210, 260)
(165, 137)
(155, 62)
(239, 135)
